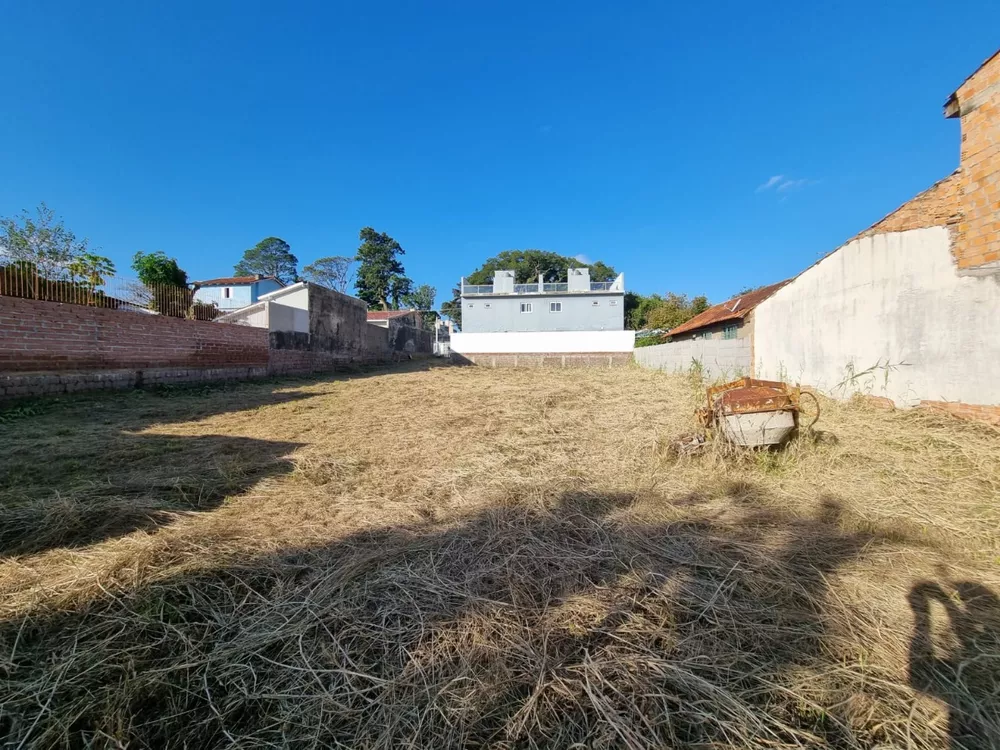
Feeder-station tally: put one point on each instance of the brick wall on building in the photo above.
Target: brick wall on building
(977, 103)
(36, 335)
(938, 206)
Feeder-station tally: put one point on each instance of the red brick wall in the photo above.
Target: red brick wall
(978, 101)
(38, 336)
(938, 206)
(977, 412)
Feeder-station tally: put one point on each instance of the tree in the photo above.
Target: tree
(661, 312)
(156, 269)
(44, 242)
(271, 256)
(527, 265)
(381, 279)
(165, 287)
(333, 271)
(422, 298)
(91, 269)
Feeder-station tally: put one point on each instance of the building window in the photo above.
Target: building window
(595, 303)
(471, 305)
(613, 302)
(226, 291)
(729, 332)
(526, 307)
(555, 307)
(486, 305)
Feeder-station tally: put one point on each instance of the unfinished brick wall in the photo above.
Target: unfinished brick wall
(975, 412)
(977, 103)
(968, 200)
(46, 336)
(939, 205)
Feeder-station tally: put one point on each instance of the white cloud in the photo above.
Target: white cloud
(781, 184)
(770, 183)
(792, 185)
(581, 258)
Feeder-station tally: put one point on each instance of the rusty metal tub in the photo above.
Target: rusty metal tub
(754, 413)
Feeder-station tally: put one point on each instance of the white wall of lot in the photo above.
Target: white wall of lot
(543, 342)
(288, 309)
(886, 315)
(284, 310)
(724, 359)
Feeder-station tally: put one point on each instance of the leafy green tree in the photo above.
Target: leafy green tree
(165, 287)
(527, 265)
(662, 312)
(156, 269)
(91, 269)
(271, 256)
(422, 298)
(42, 241)
(638, 307)
(381, 279)
(333, 272)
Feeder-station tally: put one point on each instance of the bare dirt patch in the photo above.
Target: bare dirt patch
(469, 557)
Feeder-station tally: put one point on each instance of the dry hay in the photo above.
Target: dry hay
(469, 557)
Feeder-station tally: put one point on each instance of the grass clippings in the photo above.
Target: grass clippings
(476, 557)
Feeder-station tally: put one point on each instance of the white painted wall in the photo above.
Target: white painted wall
(288, 308)
(283, 310)
(543, 342)
(893, 302)
(255, 316)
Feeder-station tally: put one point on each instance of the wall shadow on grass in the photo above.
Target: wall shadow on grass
(73, 471)
(131, 483)
(528, 625)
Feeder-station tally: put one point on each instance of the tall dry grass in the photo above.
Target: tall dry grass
(468, 557)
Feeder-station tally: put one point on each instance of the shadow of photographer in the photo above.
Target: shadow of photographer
(958, 661)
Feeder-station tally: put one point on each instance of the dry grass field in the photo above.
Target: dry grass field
(465, 557)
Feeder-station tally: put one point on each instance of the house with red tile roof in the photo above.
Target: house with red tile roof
(728, 320)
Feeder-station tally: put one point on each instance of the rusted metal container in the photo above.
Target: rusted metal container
(755, 413)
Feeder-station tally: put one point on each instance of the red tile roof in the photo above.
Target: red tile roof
(236, 280)
(387, 314)
(736, 308)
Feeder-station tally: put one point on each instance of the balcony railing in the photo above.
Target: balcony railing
(550, 288)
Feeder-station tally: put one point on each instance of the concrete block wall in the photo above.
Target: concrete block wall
(719, 358)
(549, 360)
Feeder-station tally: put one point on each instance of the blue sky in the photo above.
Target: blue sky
(699, 148)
